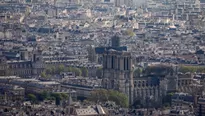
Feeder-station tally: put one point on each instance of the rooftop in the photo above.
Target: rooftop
(9, 77)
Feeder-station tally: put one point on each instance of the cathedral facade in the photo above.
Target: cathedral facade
(118, 73)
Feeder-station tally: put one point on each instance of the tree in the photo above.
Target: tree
(48, 70)
(44, 95)
(99, 72)
(137, 72)
(64, 96)
(32, 98)
(43, 74)
(53, 69)
(192, 69)
(58, 97)
(119, 98)
(130, 32)
(69, 69)
(52, 96)
(95, 96)
(103, 95)
(84, 71)
(77, 71)
(60, 69)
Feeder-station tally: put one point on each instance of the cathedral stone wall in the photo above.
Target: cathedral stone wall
(117, 72)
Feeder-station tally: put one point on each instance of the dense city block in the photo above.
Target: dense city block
(102, 57)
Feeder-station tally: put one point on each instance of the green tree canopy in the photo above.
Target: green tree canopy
(61, 68)
(53, 69)
(77, 71)
(137, 72)
(43, 74)
(32, 98)
(103, 95)
(64, 96)
(130, 32)
(69, 69)
(49, 70)
(44, 95)
(119, 98)
(99, 95)
(49, 96)
(192, 69)
(57, 95)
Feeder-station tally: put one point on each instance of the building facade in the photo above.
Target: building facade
(127, 3)
(33, 64)
(22, 67)
(147, 89)
(118, 73)
(187, 9)
(201, 107)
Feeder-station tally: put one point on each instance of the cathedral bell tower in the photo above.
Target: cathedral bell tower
(117, 72)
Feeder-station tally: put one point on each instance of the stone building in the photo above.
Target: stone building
(187, 9)
(118, 73)
(200, 56)
(3, 66)
(34, 63)
(200, 107)
(128, 3)
(147, 88)
(11, 92)
(22, 68)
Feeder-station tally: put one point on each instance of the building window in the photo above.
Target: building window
(112, 62)
(143, 84)
(125, 64)
(128, 64)
(118, 63)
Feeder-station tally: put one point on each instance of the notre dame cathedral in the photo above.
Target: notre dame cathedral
(118, 68)
(117, 72)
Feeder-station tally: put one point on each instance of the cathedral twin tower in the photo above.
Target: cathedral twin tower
(117, 70)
